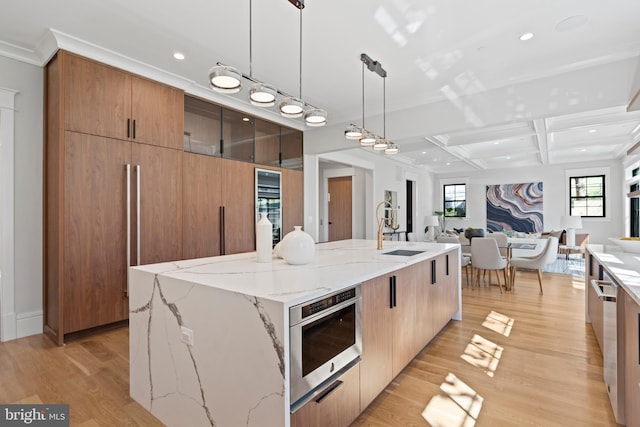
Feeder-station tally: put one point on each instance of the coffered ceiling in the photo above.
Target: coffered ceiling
(463, 92)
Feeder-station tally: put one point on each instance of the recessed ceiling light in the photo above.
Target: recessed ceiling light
(508, 157)
(526, 36)
(496, 143)
(584, 149)
(179, 56)
(424, 152)
(592, 130)
(245, 119)
(448, 163)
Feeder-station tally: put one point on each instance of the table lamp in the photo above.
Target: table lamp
(570, 223)
(431, 221)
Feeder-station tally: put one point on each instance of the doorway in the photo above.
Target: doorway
(340, 208)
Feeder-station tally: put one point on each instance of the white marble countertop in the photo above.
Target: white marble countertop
(336, 265)
(623, 267)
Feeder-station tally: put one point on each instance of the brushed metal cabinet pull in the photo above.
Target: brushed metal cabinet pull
(128, 248)
(138, 208)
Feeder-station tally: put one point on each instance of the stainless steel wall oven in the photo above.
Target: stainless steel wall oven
(325, 341)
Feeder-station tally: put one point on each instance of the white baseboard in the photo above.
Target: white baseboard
(29, 324)
(8, 331)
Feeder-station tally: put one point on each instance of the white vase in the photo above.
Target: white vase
(297, 247)
(264, 238)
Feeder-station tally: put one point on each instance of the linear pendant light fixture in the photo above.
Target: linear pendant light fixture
(357, 133)
(228, 80)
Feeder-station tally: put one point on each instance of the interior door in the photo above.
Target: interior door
(340, 208)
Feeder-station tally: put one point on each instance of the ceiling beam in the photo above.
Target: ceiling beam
(540, 128)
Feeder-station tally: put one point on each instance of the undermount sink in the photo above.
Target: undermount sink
(404, 252)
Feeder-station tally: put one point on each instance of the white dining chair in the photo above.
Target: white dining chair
(485, 256)
(548, 255)
(465, 261)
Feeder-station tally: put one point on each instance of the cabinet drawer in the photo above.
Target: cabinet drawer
(338, 405)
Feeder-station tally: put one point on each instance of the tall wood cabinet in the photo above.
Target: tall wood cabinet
(108, 134)
(631, 358)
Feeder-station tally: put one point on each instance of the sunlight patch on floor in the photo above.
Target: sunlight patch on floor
(499, 323)
(577, 282)
(459, 407)
(483, 354)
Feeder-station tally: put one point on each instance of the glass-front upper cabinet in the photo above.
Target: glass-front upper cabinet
(237, 135)
(267, 143)
(201, 127)
(291, 148)
(217, 131)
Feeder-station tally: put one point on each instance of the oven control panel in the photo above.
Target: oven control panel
(310, 308)
(330, 301)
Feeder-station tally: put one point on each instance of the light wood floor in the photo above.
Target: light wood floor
(516, 359)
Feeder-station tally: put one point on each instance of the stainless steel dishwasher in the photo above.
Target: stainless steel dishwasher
(607, 291)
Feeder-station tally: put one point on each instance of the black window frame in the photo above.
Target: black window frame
(586, 197)
(444, 200)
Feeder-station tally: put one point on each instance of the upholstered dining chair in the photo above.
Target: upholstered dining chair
(485, 255)
(465, 261)
(538, 262)
(502, 241)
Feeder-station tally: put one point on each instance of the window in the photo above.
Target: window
(455, 200)
(587, 196)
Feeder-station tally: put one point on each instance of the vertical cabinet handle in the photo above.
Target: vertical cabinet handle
(590, 265)
(134, 129)
(447, 266)
(433, 271)
(222, 235)
(128, 128)
(392, 291)
(128, 247)
(137, 208)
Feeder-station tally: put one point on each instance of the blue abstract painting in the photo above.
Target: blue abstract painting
(516, 207)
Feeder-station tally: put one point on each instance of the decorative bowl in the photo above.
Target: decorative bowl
(627, 245)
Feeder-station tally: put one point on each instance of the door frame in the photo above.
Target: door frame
(8, 322)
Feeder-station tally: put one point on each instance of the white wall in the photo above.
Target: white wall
(28, 81)
(379, 173)
(555, 181)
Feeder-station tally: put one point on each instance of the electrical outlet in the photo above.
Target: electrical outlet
(187, 335)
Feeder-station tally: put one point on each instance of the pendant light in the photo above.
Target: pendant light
(367, 138)
(293, 107)
(228, 80)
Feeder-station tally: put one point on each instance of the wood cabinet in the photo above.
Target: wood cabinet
(398, 319)
(94, 241)
(89, 160)
(158, 174)
(201, 202)
(632, 359)
(338, 405)
(105, 101)
(376, 370)
(405, 336)
(238, 190)
(292, 199)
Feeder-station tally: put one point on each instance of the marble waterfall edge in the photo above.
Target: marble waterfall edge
(200, 384)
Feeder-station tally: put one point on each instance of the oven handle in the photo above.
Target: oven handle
(331, 310)
(597, 287)
(326, 392)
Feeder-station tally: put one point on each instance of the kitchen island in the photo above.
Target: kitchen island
(209, 338)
